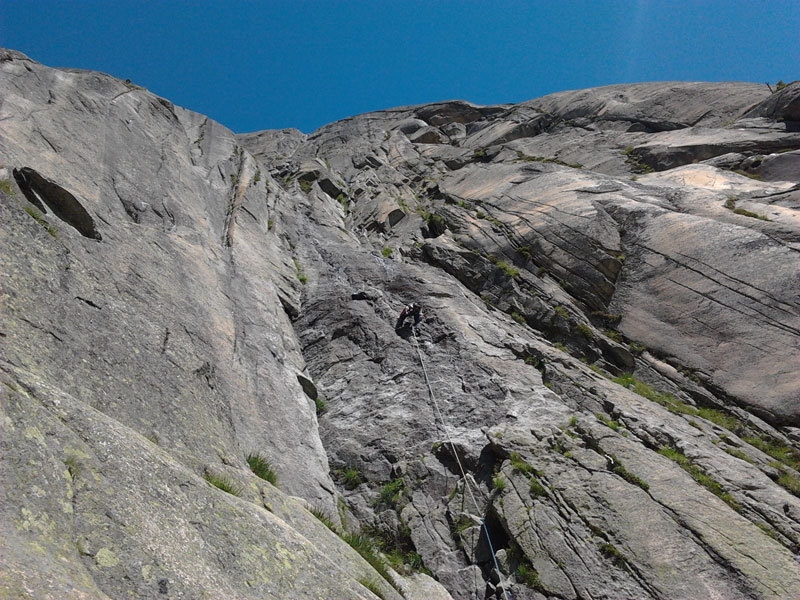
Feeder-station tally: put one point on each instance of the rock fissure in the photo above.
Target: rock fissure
(785, 308)
(708, 296)
(778, 305)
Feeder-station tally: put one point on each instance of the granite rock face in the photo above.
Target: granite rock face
(600, 401)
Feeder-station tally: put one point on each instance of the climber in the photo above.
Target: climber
(410, 310)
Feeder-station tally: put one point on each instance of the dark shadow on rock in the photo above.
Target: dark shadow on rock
(405, 331)
(455, 456)
(498, 539)
(40, 192)
(488, 464)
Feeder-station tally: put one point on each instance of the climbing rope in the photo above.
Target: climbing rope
(466, 479)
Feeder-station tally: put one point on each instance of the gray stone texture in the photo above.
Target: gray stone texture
(175, 297)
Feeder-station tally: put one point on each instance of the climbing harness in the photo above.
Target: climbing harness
(467, 484)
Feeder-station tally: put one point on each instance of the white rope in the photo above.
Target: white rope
(466, 479)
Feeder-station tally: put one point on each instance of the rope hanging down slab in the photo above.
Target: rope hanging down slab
(467, 484)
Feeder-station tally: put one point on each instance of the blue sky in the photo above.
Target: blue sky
(303, 63)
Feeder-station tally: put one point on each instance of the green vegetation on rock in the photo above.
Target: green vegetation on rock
(366, 547)
(612, 553)
(391, 492)
(526, 574)
(619, 469)
(223, 483)
(777, 450)
(615, 425)
(7, 187)
(261, 467)
(324, 518)
(635, 161)
(520, 466)
(301, 277)
(372, 586)
(700, 476)
(351, 478)
(527, 158)
(39, 218)
(730, 204)
(506, 268)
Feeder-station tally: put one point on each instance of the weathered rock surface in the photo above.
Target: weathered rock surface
(600, 402)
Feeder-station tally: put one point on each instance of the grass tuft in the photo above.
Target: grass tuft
(391, 492)
(612, 553)
(721, 418)
(506, 268)
(670, 402)
(620, 470)
(323, 518)
(262, 468)
(39, 218)
(780, 452)
(461, 524)
(519, 465)
(436, 223)
(372, 586)
(518, 317)
(791, 482)
(223, 483)
(561, 312)
(730, 203)
(635, 161)
(784, 456)
(527, 575)
(7, 187)
(351, 478)
(301, 277)
(744, 173)
(536, 488)
(767, 530)
(345, 203)
(739, 454)
(585, 331)
(542, 159)
(752, 215)
(365, 546)
(609, 422)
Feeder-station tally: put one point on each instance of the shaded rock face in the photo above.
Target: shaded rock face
(600, 400)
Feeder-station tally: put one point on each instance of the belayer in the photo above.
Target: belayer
(410, 310)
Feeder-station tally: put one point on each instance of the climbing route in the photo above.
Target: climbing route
(467, 480)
